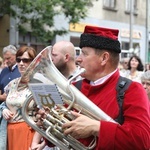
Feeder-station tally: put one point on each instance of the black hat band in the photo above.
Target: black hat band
(99, 42)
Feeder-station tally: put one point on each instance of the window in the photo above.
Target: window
(128, 6)
(125, 45)
(127, 52)
(109, 4)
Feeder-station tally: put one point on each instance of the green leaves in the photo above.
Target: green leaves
(39, 15)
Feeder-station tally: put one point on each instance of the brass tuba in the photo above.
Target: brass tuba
(42, 72)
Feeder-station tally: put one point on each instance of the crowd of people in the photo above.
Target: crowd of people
(100, 57)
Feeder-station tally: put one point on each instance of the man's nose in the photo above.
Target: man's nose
(78, 60)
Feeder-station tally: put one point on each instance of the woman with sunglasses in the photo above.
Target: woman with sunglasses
(19, 134)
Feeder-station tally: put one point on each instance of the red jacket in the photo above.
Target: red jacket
(134, 133)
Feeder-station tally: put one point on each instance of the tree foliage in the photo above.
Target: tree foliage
(39, 15)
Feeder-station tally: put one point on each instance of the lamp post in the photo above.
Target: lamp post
(131, 24)
(147, 33)
(16, 29)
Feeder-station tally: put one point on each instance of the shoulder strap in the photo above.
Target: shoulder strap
(122, 86)
(78, 84)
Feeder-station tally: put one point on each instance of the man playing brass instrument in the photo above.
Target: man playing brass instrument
(100, 58)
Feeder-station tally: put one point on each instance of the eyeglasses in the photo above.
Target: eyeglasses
(24, 60)
(146, 83)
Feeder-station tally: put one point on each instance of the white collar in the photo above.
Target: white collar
(103, 79)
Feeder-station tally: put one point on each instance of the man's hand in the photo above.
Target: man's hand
(41, 114)
(81, 127)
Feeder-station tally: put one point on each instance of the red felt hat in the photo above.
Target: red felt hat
(100, 38)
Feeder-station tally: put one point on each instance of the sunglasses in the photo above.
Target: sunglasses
(24, 60)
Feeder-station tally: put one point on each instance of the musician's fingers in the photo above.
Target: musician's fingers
(39, 122)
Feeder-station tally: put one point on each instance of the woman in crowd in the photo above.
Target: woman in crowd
(18, 135)
(135, 69)
(145, 79)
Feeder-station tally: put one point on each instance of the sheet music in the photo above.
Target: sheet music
(45, 94)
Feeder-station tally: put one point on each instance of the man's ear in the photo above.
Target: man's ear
(67, 57)
(104, 58)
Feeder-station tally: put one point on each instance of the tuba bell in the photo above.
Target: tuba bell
(48, 87)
